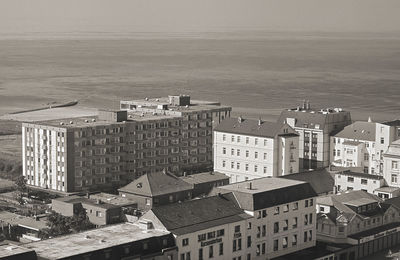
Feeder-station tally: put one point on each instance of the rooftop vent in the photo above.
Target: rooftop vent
(93, 120)
(259, 121)
(61, 123)
(71, 122)
(87, 237)
(157, 100)
(240, 119)
(249, 185)
(139, 185)
(147, 99)
(86, 121)
(154, 113)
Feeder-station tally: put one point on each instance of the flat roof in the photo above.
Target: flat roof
(92, 240)
(204, 177)
(261, 185)
(83, 200)
(13, 250)
(360, 175)
(360, 202)
(113, 199)
(387, 189)
(375, 230)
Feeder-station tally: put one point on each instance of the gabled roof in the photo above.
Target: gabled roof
(394, 149)
(191, 216)
(320, 180)
(359, 130)
(155, 184)
(253, 128)
(267, 192)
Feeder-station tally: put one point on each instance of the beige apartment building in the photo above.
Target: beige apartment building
(110, 150)
(283, 211)
(245, 149)
(315, 127)
(198, 119)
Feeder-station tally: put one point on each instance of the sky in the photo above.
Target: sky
(64, 16)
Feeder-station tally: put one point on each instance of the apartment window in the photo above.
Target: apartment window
(263, 248)
(211, 252)
(202, 237)
(258, 231)
(237, 229)
(258, 251)
(221, 248)
(265, 156)
(366, 156)
(238, 166)
(340, 229)
(255, 155)
(232, 165)
(256, 141)
(264, 231)
(276, 212)
(247, 167)
(311, 202)
(334, 152)
(247, 140)
(232, 151)
(232, 138)
(382, 140)
(276, 245)
(295, 206)
(211, 235)
(264, 213)
(305, 220)
(364, 181)
(248, 241)
(224, 137)
(350, 179)
(201, 254)
(265, 142)
(294, 222)
(305, 236)
(285, 242)
(394, 165)
(223, 164)
(255, 168)
(286, 225)
(265, 169)
(185, 241)
(276, 227)
(220, 232)
(238, 152)
(310, 218)
(306, 203)
(247, 153)
(223, 150)
(394, 178)
(238, 139)
(310, 235)
(294, 240)
(338, 153)
(286, 208)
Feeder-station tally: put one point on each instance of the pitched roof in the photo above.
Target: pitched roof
(320, 180)
(251, 127)
(199, 214)
(204, 177)
(359, 130)
(394, 149)
(267, 192)
(352, 143)
(155, 184)
(393, 201)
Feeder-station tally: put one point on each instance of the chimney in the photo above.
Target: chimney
(184, 174)
(164, 171)
(308, 105)
(369, 119)
(240, 119)
(259, 121)
(304, 104)
(249, 185)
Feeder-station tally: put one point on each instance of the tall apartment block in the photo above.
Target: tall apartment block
(198, 119)
(315, 128)
(245, 149)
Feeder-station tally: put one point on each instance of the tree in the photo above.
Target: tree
(20, 182)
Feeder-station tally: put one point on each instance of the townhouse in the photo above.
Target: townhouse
(391, 164)
(245, 149)
(386, 134)
(349, 180)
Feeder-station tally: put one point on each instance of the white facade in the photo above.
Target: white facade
(391, 164)
(386, 133)
(358, 181)
(245, 157)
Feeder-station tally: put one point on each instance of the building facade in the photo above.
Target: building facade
(283, 211)
(315, 127)
(348, 180)
(391, 164)
(386, 133)
(245, 149)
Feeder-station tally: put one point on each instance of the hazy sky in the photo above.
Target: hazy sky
(22, 16)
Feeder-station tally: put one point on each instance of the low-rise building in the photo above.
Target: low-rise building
(358, 219)
(121, 241)
(284, 215)
(245, 149)
(315, 127)
(158, 188)
(203, 183)
(354, 146)
(349, 180)
(209, 228)
(387, 192)
(98, 212)
(21, 228)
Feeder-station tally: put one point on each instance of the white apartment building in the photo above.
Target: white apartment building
(209, 228)
(354, 146)
(245, 149)
(391, 164)
(284, 214)
(386, 133)
(315, 128)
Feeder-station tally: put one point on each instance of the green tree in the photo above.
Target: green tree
(21, 189)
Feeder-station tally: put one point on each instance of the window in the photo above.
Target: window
(247, 140)
(256, 155)
(276, 227)
(364, 181)
(238, 139)
(382, 140)
(265, 156)
(264, 213)
(294, 240)
(247, 153)
(238, 166)
(258, 252)
(224, 137)
(306, 203)
(223, 150)
(221, 249)
(223, 164)
(185, 241)
(394, 165)
(305, 236)
(201, 237)
(311, 202)
(201, 254)
(294, 222)
(265, 142)
(305, 220)
(285, 242)
(265, 169)
(286, 225)
(238, 152)
(295, 206)
(220, 232)
(148, 202)
(341, 229)
(366, 156)
(255, 168)
(256, 141)
(310, 218)
(276, 212)
(309, 235)
(286, 208)
(264, 230)
(237, 229)
(338, 153)
(350, 179)
(276, 245)
(232, 151)
(211, 235)
(248, 241)
(211, 252)
(394, 178)
(232, 138)
(263, 248)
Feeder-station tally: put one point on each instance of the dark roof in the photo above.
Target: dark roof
(199, 214)
(393, 201)
(392, 123)
(353, 143)
(359, 130)
(376, 230)
(360, 175)
(320, 180)
(267, 192)
(308, 117)
(204, 177)
(155, 184)
(82, 200)
(251, 127)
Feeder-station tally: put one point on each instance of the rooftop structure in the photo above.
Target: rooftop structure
(321, 180)
(13, 219)
(99, 241)
(204, 182)
(358, 130)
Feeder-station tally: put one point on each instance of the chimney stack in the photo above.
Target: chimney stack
(259, 121)
(249, 185)
(304, 104)
(240, 119)
(369, 119)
